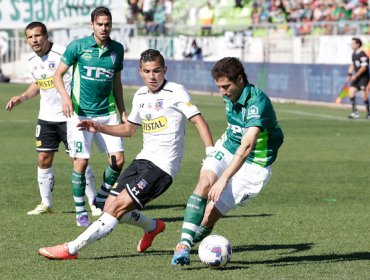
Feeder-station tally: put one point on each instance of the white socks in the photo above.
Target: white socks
(97, 230)
(46, 180)
(90, 190)
(136, 218)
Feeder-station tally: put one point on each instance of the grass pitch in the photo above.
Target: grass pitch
(310, 222)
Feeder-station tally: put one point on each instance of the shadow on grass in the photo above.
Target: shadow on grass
(291, 261)
(293, 247)
(283, 261)
(294, 260)
(147, 207)
(180, 219)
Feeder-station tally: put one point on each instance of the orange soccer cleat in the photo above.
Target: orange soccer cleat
(58, 252)
(146, 241)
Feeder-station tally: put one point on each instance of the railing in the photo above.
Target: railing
(345, 27)
(276, 43)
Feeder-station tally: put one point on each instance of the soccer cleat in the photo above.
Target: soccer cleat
(95, 211)
(146, 241)
(368, 117)
(82, 220)
(181, 255)
(40, 209)
(354, 115)
(59, 252)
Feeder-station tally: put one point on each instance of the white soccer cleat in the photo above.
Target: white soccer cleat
(354, 115)
(95, 211)
(40, 209)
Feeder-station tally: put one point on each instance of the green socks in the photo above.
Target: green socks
(194, 213)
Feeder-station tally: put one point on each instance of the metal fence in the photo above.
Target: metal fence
(282, 43)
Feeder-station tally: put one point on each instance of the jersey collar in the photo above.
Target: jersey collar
(245, 95)
(93, 43)
(161, 87)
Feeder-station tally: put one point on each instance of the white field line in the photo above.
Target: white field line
(321, 116)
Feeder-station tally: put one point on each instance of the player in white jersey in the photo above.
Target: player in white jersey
(51, 125)
(161, 108)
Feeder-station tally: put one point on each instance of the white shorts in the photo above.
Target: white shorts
(80, 142)
(243, 186)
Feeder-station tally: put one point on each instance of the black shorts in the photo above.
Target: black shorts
(360, 83)
(49, 135)
(143, 180)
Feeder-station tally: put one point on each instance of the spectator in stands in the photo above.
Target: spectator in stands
(159, 19)
(147, 8)
(169, 8)
(195, 52)
(360, 12)
(133, 12)
(255, 15)
(206, 17)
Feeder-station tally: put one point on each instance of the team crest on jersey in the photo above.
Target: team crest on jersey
(113, 57)
(142, 184)
(253, 112)
(159, 104)
(86, 55)
(51, 65)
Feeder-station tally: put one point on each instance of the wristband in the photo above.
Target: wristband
(349, 74)
(209, 149)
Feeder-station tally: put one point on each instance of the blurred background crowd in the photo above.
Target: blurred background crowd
(155, 16)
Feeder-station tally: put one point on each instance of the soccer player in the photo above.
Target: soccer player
(160, 108)
(51, 126)
(97, 63)
(239, 165)
(358, 76)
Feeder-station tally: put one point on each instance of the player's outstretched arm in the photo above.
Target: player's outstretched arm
(120, 130)
(31, 92)
(203, 130)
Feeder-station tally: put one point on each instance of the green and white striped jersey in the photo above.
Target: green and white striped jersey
(93, 71)
(253, 109)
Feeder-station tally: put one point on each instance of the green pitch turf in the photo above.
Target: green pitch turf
(310, 222)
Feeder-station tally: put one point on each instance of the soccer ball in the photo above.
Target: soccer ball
(214, 251)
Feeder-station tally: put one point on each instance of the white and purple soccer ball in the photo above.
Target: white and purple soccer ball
(215, 251)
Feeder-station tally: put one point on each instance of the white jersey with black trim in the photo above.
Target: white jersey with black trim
(42, 70)
(162, 116)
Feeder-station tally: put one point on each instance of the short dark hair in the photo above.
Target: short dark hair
(358, 41)
(100, 11)
(151, 55)
(35, 24)
(229, 67)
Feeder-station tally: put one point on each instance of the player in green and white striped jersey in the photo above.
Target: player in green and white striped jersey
(239, 165)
